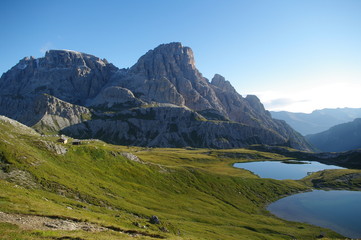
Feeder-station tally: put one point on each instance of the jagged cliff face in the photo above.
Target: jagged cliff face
(28, 90)
(174, 126)
(68, 75)
(44, 112)
(168, 74)
(163, 100)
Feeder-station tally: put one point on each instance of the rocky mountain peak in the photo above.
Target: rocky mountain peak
(179, 52)
(220, 82)
(71, 59)
(165, 60)
(255, 103)
(167, 74)
(69, 75)
(63, 58)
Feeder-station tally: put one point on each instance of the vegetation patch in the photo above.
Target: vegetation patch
(335, 179)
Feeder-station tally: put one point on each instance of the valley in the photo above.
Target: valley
(195, 193)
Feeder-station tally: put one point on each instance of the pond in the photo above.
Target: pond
(336, 210)
(281, 170)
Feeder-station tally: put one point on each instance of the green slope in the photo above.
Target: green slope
(195, 193)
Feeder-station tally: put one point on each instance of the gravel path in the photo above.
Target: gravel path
(47, 223)
(31, 222)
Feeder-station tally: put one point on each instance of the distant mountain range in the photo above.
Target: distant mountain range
(319, 120)
(161, 101)
(342, 137)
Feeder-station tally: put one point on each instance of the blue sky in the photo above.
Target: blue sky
(295, 55)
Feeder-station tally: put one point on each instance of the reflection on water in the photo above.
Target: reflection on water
(337, 210)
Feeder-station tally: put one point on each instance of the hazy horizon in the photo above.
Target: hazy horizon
(296, 56)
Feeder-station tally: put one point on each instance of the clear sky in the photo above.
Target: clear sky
(295, 55)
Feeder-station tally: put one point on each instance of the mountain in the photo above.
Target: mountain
(161, 101)
(55, 85)
(342, 137)
(318, 120)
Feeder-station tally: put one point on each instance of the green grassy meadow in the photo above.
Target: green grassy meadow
(195, 193)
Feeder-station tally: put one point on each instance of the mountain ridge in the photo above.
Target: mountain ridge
(339, 138)
(319, 120)
(93, 87)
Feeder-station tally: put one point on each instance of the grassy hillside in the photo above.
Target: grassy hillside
(195, 193)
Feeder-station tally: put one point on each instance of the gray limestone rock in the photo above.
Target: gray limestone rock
(154, 220)
(168, 74)
(220, 82)
(176, 127)
(54, 147)
(115, 97)
(68, 75)
(55, 114)
(256, 104)
(43, 112)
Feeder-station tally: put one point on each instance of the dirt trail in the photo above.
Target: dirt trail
(31, 222)
(47, 223)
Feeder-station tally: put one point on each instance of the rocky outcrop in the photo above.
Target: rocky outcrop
(54, 147)
(44, 112)
(71, 76)
(55, 114)
(222, 84)
(249, 110)
(115, 98)
(163, 101)
(30, 92)
(233, 104)
(175, 127)
(168, 74)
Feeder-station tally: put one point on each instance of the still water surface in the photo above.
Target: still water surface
(336, 210)
(279, 170)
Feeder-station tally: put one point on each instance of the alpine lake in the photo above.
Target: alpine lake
(339, 210)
